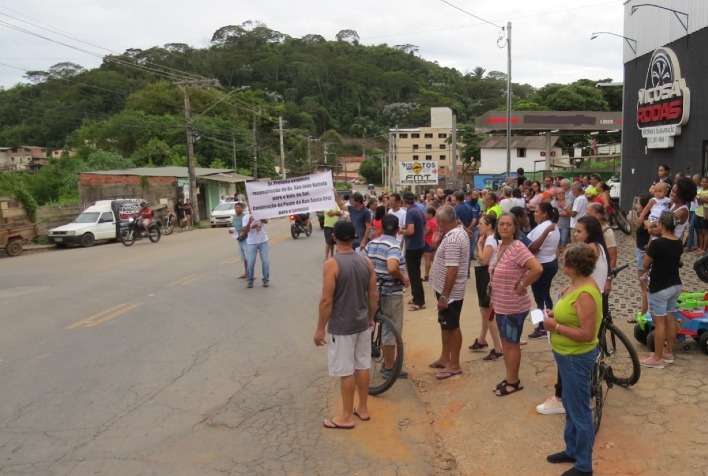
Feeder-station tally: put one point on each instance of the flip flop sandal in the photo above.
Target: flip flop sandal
(436, 365)
(516, 387)
(331, 425)
(446, 374)
(416, 307)
(356, 412)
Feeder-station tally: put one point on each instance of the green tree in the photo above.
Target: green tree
(370, 169)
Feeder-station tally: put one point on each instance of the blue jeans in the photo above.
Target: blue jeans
(251, 251)
(542, 287)
(579, 434)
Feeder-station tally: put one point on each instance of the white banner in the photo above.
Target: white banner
(419, 172)
(275, 198)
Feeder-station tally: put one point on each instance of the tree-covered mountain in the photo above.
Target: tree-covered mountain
(340, 92)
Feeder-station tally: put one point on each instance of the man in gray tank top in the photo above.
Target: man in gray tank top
(347, 309)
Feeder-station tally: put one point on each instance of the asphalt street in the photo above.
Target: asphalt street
(155, 359)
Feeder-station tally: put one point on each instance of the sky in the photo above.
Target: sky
(550, 38)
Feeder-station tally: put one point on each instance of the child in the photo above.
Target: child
(431, 226)
(658, 204)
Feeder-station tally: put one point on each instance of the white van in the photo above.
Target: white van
(98, 222)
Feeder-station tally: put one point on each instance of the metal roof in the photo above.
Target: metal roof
(180, 172)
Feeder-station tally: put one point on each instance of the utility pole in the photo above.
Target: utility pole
(282, 148)
(453, 147)
(233, 147)
(190, 138)
(255, 145)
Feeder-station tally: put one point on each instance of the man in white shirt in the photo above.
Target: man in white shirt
(577, 209)
(395, 201)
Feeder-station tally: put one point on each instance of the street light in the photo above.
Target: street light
(631, 42)
(679, 15)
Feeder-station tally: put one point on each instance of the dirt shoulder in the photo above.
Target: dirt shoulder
(657, 426)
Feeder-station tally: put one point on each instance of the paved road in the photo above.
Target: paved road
(154, 359)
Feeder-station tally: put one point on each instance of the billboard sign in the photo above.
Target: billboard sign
(418, 172)
(663, 103)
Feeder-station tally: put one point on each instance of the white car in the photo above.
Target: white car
(223, 214)
(614, 188)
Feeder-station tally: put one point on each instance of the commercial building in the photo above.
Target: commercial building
(665, 108)
(428, 147)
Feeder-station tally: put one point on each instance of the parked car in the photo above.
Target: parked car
(98, 222)
(223, 214)
(615, 188)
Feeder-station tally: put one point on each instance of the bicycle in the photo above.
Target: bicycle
(618, 219)
(382, 378)
(617, 362)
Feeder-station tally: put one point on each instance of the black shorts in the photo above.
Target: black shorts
(328, 230)
(704, 222)
(481, 276)
(449, 319)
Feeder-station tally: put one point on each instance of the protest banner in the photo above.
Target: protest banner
(276, 198)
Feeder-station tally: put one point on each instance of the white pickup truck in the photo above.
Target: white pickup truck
(97, 222)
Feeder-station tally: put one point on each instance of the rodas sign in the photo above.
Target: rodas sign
(418, 173)
(663, 104)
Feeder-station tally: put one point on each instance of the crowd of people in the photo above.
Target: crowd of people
(510, 240)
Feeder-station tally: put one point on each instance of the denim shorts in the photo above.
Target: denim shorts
(639, 253)
(511, 326)
(564, 236)
(664, 301)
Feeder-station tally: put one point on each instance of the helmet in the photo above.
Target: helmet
(143, 204)
(701, 268)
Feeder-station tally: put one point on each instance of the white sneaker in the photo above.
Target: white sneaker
(552, 406)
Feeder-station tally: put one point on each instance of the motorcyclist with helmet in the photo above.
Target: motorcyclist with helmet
(145, 215)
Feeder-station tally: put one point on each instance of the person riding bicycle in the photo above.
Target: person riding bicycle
(145, 215)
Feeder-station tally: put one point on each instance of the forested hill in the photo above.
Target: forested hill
(132, 105)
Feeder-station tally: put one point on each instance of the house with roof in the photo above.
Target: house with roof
(24, 157)
(528, 152)
(161, 185)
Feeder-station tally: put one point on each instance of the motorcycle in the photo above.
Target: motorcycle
(300, 224)
(167, 225)
(132, 229)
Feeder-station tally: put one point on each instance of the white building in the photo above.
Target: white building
(527, 152)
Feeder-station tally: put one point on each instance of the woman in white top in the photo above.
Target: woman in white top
(486, 245)
(544, 245)
(682, 194)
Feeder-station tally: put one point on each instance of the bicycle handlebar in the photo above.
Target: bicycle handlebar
(617, 270)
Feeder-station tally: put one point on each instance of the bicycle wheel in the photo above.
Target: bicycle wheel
(621, 358)
(598, 389)
(622, 222)
(381, 378)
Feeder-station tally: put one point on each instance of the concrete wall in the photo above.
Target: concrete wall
(51, 216)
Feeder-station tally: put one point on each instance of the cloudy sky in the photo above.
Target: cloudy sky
(550, 38)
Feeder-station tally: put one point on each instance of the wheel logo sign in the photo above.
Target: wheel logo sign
(661, 70)
(417, 168)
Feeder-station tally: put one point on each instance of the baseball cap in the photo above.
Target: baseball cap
(344, 231)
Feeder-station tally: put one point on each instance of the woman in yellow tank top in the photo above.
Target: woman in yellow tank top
(574, 323)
